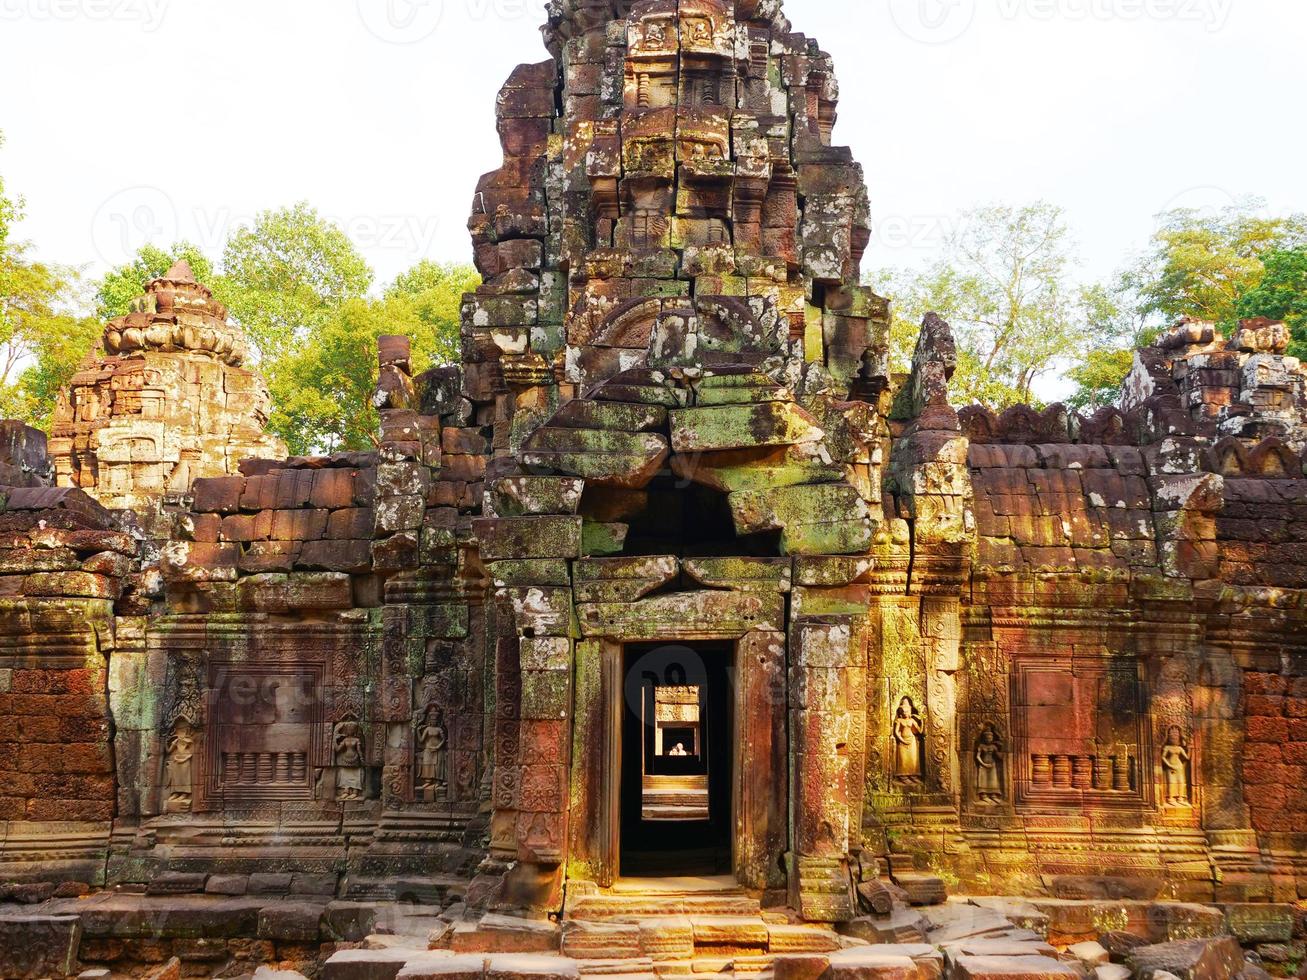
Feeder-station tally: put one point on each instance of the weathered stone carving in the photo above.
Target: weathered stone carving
(989, 766)
(909, 733)
(432, 766)
(179, 767)
(350, 772)
(1175, 769)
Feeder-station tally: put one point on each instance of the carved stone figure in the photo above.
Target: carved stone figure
(908, 732)
(432, 763)
(179, 768)
(1175, 769)
(989, 767)
(349, 761)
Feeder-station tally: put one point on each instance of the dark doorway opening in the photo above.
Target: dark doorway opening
(677, 759)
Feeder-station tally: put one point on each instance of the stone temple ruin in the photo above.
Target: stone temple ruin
(667, 632)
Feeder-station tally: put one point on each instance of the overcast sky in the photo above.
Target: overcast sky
(136, 120)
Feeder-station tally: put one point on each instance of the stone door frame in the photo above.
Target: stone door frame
(759, 818)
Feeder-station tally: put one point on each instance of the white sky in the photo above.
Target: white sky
(134, 120)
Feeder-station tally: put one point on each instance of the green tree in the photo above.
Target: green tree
(1004, 286)
(1199, 265)
(285, 276)
(1115, 327)
(1281, 295)
(122, 285)
(435, 291)
(323, 393)
(42, 338)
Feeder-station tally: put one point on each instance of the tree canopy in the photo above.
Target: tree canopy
(1004, 285)
(1200, 265)
(1281, 295)
(286, 274)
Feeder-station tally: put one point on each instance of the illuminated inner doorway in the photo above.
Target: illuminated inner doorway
(677, 757)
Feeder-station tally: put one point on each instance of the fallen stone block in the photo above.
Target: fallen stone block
(1119, 945)
(922, 889)
(348, 922)
(953, 923)
(859, 964)
(1002, 946)
(1253, 923)
(901, 926)
(1090, 954)
(367, 964)
(928, 959)
(1012, 968)
(523, 967)
(876, 897)
(39, 945)
(799, 966)
(1190, 959)
(506, 934)
(1018, 911)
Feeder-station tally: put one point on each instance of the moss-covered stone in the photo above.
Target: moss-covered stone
(508, 539)
(745, 574)
(599, 540)
(755, 469)
(697, 430)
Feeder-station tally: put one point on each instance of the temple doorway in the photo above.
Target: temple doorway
(677, 757)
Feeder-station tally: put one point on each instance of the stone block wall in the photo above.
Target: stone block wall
(66, 563)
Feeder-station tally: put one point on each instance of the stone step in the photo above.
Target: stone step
(669, 938)
(784, 938)
(604, 940)
(733, 933)
(615, 967)
(645, 906)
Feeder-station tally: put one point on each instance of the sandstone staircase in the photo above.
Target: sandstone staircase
(679, 927)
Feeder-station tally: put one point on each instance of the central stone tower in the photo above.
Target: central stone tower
(670, 198)
(688, 388)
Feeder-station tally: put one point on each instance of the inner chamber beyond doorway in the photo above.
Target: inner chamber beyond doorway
(677, 757)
